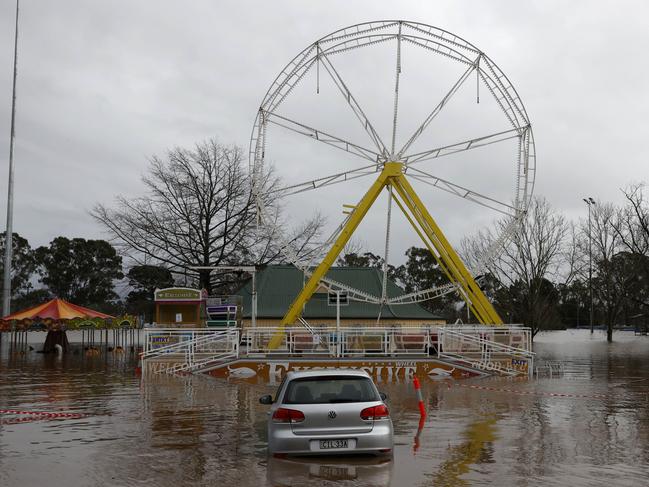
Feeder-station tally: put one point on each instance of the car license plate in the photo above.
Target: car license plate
(333, 444)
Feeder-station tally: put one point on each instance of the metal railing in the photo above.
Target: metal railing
(159, 341)
(348, 342)
(513, 335)
(506, 350)
(488, 349)
(198, 349)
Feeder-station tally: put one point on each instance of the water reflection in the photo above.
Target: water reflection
(300, 471)
(477, 448)
(169, 431)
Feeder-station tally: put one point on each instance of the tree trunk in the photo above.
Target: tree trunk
(204, 281)
(56, 337)
(609, 332)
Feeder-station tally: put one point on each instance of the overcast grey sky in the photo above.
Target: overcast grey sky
(104, 85)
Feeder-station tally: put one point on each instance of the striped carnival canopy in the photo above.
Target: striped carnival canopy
(56, 309)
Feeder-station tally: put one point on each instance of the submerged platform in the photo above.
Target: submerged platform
(392, 369)
(388, 354)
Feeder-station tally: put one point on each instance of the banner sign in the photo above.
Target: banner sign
(272, 371)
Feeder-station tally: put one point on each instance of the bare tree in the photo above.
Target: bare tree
(608, 286)
(632, 225)
(199, 211)
(632, 228)
(530, 263)
(354, 246)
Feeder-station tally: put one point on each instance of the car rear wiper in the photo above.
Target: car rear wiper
(342, 400)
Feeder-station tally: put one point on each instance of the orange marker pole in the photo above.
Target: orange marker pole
(420, 427)
(422, 408)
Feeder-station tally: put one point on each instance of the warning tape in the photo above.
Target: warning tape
(531, 393)
(36, 416)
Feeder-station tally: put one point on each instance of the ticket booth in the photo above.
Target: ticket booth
(179, 307)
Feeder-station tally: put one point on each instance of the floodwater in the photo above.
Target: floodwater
(589, 427)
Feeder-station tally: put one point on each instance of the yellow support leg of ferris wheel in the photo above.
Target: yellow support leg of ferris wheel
(390, 169)
(453, 265)
(392, 174)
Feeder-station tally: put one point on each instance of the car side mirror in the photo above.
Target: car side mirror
(383, 396)
(267, 399)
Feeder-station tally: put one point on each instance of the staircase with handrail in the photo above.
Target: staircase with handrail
(198, 352)
(483, 354)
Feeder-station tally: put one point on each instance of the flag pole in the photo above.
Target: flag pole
(6, 289)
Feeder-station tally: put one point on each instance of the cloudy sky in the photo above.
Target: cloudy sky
(102, 86)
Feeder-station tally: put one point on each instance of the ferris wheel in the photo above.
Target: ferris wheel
(368, 131)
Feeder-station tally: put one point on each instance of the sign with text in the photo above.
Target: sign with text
(178, 294)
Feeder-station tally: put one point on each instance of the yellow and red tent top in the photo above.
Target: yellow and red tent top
(56, 309)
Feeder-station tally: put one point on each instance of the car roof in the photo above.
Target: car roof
(325, 373)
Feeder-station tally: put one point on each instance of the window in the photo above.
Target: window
(330, 389)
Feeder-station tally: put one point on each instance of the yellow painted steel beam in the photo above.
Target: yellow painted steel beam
(478, 302)
(430, 248)
(390, 170)
(485, 311)
(424, 225)
(443, 263)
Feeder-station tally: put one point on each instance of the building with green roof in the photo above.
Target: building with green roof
(278, 285)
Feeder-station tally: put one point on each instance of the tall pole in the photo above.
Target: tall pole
(253, 314)
(590, 267)
(338, 323)
(590, 202)
(6, 289)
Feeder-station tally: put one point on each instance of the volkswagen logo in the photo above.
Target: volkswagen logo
(332, 415)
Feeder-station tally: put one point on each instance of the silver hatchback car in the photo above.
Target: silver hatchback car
(328, 412)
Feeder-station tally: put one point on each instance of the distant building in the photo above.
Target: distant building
(278, 285)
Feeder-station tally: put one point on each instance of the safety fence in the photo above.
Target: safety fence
(351, 342)
(505, 349)
(189, 350)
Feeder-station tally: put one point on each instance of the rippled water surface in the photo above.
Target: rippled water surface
(589, 427)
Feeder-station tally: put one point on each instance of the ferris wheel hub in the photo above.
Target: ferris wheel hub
(393, 168)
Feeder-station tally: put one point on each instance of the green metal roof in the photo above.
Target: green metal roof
(278, 285)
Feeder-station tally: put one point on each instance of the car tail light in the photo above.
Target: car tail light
(284, 415)
(375, 412)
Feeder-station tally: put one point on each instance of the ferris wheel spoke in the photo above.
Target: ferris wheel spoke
(454, 89)
(353, 104)
(465, 145)
(462, 192)
(318, 183)
(396, 94)
(423, 295)
(321, 136)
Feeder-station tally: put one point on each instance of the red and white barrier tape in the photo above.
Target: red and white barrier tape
(531, 393)
(36, 416)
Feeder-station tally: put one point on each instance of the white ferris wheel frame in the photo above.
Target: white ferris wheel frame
(434, 40)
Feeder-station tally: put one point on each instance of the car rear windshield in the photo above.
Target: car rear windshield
(324, 390)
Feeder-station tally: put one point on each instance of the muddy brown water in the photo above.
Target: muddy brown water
(589, 427)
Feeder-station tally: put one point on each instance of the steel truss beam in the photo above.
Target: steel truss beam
(321, 136)
(453, 265)
(423, 223)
